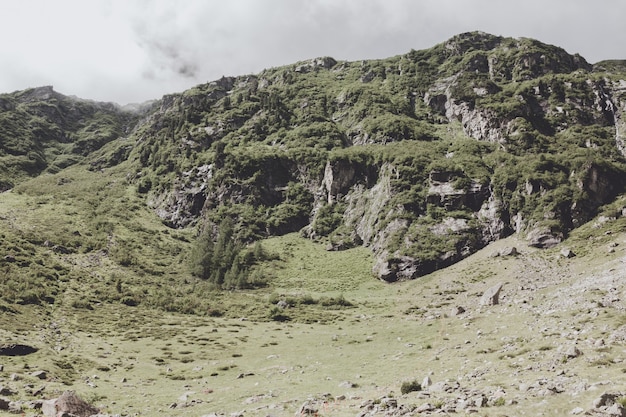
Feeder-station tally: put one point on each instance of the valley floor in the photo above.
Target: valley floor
(555, 343)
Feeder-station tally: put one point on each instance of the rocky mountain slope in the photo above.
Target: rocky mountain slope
(424, 157)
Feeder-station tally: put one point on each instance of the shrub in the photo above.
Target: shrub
(277, 314)
(82, 304)
(410, 386)
(338, 301)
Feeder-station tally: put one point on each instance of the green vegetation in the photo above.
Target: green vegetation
(402, 155)
(410, 386)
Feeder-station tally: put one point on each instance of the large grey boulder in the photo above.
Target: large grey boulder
(70, 403)
(491, 296)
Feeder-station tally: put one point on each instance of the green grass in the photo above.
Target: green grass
(226, 364)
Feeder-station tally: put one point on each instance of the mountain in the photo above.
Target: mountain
(179, 254)
(423, 158)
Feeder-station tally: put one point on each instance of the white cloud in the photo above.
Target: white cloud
(134, 50)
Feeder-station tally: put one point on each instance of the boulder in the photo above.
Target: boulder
(572, 352)
(491, 296)
(457, 311)
(308, 408)
(49, 408)
(425, 408)
(40, 374)
(606, 399)
(616, 410)
(512, 251)
(543, 238)
(68, 403)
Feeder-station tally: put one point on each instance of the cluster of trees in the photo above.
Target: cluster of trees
(225, 261)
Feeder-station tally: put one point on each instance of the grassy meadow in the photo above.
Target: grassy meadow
(345, 337)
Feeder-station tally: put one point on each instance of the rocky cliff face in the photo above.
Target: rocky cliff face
(382, 152)
(424, 157)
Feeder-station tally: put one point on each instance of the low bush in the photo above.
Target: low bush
(410, 386)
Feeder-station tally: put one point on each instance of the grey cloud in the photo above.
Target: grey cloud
(185, 42)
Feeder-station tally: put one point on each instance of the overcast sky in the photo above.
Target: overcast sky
(134, 50)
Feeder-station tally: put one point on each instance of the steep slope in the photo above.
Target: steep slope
(423, 157)
(44, 131)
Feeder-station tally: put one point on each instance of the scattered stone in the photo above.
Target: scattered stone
(70, 403)
(48, 408)
(479, 400)
(16, 407)
(348, 384)
(577, 410)
(388, 402)
(61, 249)
(424, 408)
(4, 404)
(567, 253)
(512, 251)
(491, 296)
(308, 408)
(573, 352)
(427, 382)
(457, 311)
(6, 391)
(616, 410)
(185, 397)
(40, 374)
(282, 304)
(606, 399)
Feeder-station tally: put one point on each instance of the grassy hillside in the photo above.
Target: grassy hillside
(339, 358)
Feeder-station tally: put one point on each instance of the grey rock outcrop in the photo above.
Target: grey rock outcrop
(69, 403)
(541, 237)
(491, 296)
